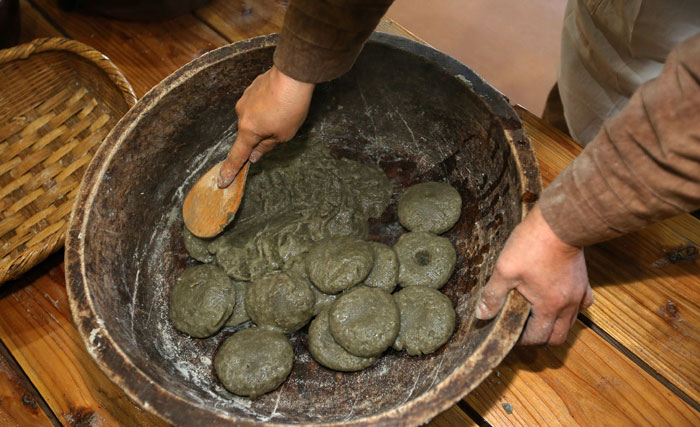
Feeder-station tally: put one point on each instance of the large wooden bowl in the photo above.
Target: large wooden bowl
(416, 112)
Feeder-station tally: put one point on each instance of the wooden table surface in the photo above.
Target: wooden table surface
(631, 359)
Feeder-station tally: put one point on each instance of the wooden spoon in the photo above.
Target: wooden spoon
(208, 209)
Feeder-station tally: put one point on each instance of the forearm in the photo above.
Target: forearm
(321, 39)
(644, 165)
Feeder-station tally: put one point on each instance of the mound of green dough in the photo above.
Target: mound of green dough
(364, 321)
(339, 263)
(254, 361)
(329, 353)
(201, 300)
(278, 300)
(239, 315)
(298, 195)
(197, 247)
(427, 320)
(430, 206)
(425, 259)
(385, 271)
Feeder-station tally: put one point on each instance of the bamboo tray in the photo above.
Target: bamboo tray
(59, 99)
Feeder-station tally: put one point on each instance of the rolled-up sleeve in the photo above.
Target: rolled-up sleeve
(321, 39)
(643, 166)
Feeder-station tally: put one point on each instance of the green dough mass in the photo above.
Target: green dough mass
(425, 259)
(239, 314)
(254, 361)
(385, 272)
(278, 300)
(329, 353)
(196, 247)
(201, 300)
(338, 263)
(427, 320)
(323, 300)
(298, 195)
(297, 270)
(364, 321)
(430, 206)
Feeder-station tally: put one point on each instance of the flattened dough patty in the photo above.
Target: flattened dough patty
(385, 271)
(201, 300)
(425, 259)
(254, 361)
(329, 353)
(280, 301)
(430, 206)
(297, 269)
(427, 320)
(339, 263)
(364, 321)
(197, 247)
(239, 314)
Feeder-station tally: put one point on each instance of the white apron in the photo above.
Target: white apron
(609, 48)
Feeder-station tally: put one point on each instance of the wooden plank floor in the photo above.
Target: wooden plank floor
(646, 286)
(586, 381)
(647, 291)
(20, 402)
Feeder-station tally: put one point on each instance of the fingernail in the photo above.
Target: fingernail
(481, 310)
(223, 182)
(255, 156)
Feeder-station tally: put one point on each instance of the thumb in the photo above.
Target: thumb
(237, 156)
(493, 296)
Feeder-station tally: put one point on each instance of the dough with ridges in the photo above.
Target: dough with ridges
(278, 300)
(239, 315)
(254, 361)
(427, 320)
(425, 259)
(430, 206)
(385, 271)
(326, 351)
(339, 263)
(197, 247)
(364, 321)
(201, 300)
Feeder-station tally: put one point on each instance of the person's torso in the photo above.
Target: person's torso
(617, 45)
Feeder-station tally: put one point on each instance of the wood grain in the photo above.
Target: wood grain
(453, 417)
(387, 25)
(648, 298)
(36, 326)
(33, 24)
(243, 19)
(646, 284)
(20, 403)
(146, 52)
(553, 148)
(583, 382)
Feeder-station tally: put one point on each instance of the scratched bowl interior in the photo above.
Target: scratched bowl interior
(417, 113)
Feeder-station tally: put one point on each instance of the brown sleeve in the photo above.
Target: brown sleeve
(321, 39)
(644, 164)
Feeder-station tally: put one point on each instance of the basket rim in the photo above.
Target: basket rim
(47, 44)
(31, 256)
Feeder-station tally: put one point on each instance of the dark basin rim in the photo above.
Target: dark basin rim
(173, 408)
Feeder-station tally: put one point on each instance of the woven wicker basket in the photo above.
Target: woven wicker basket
(58, 99)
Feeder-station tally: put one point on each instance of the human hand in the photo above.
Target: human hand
(271, 110)
(549, 273)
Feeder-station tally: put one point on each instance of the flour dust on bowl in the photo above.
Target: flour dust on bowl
(418, 114)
